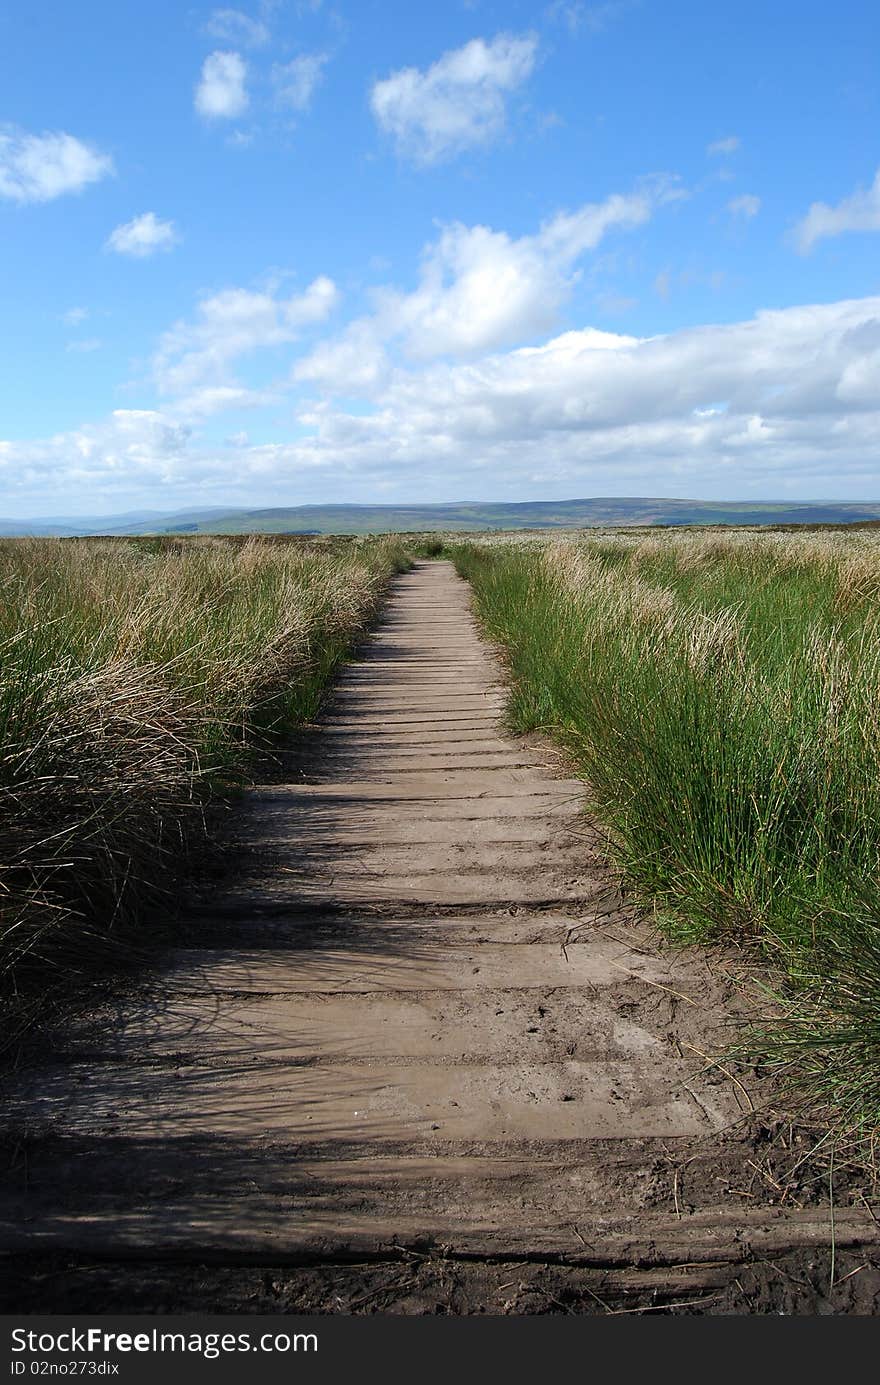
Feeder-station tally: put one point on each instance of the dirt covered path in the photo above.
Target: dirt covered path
(414, 1054)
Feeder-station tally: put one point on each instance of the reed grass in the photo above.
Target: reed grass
(137, 681)
(721, 697)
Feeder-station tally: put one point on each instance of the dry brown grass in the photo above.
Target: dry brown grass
(136, 681)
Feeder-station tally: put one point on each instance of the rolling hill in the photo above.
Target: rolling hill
(463, 517)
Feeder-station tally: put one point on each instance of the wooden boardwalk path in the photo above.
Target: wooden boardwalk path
(417, 1015)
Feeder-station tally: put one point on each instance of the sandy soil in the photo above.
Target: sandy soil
(417, 1055)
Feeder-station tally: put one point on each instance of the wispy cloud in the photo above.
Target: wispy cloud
(578, 16)
(38, 168)
(234, 26)
(746, 205)
(295, 82)
(458, 103)
(858, 212)
(729, 145)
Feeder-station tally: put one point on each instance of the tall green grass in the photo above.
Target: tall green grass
(137, 680)
(721, 697)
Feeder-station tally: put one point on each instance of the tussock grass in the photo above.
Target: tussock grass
(136, 682)
(721, 696)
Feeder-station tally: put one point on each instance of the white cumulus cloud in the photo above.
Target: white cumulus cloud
(354, 363)
(790, 395)
(142, 236)
(221, 93)
(787, 401)
(456, 104)
(130, 447)
(233, 323)
(480, 289)
(858, 212)
(38, 168)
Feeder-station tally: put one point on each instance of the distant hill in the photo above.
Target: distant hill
(134, 521)
(465, 516)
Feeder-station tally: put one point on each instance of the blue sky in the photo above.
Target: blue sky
(297, 252)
